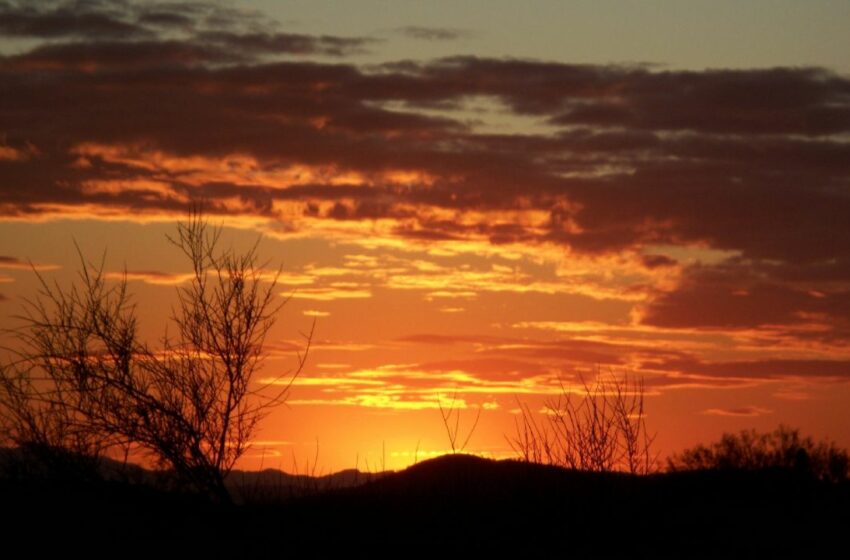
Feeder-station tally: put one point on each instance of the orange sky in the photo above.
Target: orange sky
(471, 227)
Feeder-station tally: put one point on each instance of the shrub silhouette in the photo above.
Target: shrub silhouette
(782, 448)
(601, 429)
(84, 382)
(451, 421)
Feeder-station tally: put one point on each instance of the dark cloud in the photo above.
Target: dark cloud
(803, 101)
(166, 19)
(432, 33)
(568, 352)
(657, 261)
(74, 19)
(693, 188)
(733, 296)
(288, 43)
(119, 56)
(203, 26)
(12, 262)
(760, 369)
(754, 162)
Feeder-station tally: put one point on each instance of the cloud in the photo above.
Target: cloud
(474, 382)
(23, 153)
(316, 313)
(763, 369)
(441, 339)
(392, 402)
(656, 261)
(154, 277)
(432, 33)
(410, 387)
(803, 103)
(792, 395)
(664, 359)
(747, 411)
(288, 43)
(15, 263)
(50, 20)
(329, 294)
(288, 348)
(739, 296)
(610, 189)
(503, 355)
(133, 110)
(231, 34)
(489, 368)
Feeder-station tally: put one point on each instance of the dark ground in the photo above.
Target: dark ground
(462, 503)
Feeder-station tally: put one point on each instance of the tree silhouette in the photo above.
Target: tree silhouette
(782, 448)
(85, 382)
(602, 428)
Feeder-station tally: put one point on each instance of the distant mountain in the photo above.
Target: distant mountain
(268, 485)
(273, 485)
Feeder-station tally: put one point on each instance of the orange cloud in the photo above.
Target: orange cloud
(154, 277)
(316, 313)
(330, 294)
(8, 153)
(15, 263)
(737, 412)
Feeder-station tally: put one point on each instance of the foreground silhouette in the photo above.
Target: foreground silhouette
(84, 380)
(464, 502)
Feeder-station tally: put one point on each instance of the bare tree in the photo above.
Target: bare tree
(601, 429)
(451, 421)
(84, 374)
(70, 343)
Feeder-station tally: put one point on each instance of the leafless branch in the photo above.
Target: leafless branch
(84, 380)
(602, 429)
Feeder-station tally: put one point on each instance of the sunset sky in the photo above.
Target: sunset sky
(481, 199)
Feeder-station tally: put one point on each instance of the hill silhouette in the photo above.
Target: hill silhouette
(509, 505)
(461, 502)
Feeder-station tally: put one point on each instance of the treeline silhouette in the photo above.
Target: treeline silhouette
(784, 448)
(455, 502)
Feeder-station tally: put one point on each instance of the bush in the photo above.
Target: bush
(85, 382)
(782, 448)
(602, 429)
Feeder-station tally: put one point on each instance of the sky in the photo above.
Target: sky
(478, 203)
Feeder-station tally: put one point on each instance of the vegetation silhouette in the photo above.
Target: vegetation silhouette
(83, 384)
(600, 428)
(784, 448)
(450, 416)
